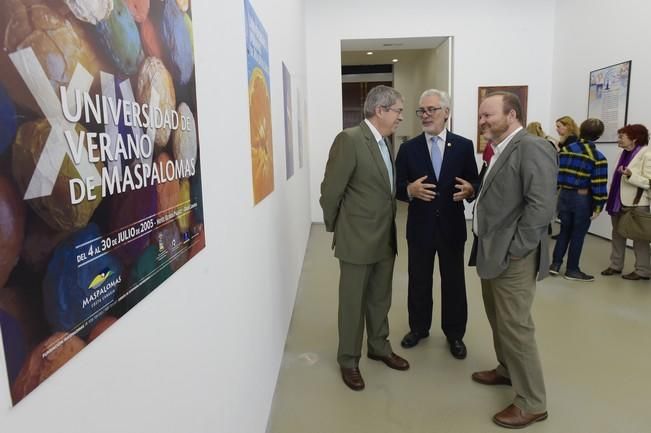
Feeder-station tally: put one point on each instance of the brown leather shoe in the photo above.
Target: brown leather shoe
(514, 417)
(353, 378)
(392, 361)
(490, 377)
(610, 271)
(634, 276)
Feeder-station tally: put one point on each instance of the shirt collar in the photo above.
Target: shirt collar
(375, 132)
(443, 135)
(499, 148)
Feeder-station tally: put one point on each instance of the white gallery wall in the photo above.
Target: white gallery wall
(202, 352)
(620, 31)
(438, 67)
(409, 76)
(501, 42)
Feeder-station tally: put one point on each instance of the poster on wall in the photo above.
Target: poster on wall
(257, 62)
(100, 185)
(289, 131)
(520, 91)
(608, 98)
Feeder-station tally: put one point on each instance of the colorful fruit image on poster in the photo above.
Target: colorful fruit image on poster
(257, 58)
(100, 185)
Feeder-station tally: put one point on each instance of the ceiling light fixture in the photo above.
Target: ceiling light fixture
(369, 53)
(395, 60)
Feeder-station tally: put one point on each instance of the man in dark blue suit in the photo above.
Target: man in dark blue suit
(435, 172)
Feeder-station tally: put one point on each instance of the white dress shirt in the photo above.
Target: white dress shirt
(499, 148)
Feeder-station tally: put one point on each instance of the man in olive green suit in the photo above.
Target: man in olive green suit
(358, 201)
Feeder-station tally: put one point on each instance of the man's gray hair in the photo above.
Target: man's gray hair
(443, 96)
(380, 96)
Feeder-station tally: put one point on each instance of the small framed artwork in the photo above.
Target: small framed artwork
(608, 98)
(484, 91)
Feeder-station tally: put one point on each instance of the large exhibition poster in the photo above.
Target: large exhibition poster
(100, 187)
(257, 61)
(289, 130)
(608, 98)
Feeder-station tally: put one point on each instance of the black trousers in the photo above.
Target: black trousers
(454, 304)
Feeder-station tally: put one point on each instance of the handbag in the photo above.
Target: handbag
(634, 223)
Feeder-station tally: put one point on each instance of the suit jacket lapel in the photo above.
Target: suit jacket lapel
(448, 148)
(374, 148)
(501, 160)
(425, 154)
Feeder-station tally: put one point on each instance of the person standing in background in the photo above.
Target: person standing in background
(535, 128)
(630, 186)
(582, 181)
(568, 131)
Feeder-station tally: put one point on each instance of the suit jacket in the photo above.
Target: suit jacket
(357, 200)
(640, 167)
(413, 162)
(516, 203)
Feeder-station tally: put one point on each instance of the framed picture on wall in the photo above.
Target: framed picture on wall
(608, 98)
(520, 91)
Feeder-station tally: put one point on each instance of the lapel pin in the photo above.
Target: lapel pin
(449, 144)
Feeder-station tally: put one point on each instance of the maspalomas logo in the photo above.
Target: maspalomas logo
(101, 286)
(99, 279)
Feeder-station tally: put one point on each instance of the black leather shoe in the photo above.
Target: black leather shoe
(412, 338)
(458, 349)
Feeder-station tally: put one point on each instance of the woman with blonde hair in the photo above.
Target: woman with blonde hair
(535, 128)
(568, 131)
(630, 186)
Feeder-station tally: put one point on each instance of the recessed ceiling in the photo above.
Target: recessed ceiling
(380, 57)
(392, 44)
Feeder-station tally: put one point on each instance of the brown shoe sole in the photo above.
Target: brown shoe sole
(542, 417)
(635, 277)
(610, 271)
(500, 381)
(353, 386)
(395, 367)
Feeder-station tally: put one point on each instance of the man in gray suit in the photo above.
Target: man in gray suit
(359, 206)
(515, 202)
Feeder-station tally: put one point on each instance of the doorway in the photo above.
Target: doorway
(410, 65)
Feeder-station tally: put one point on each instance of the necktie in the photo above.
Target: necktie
(437, 158)
(384, 150)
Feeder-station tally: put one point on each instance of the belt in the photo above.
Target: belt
(581, 191)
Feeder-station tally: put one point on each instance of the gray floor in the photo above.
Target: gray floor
(594, 339)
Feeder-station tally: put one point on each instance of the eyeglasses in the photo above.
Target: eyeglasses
(395, 110)
(429, 110)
